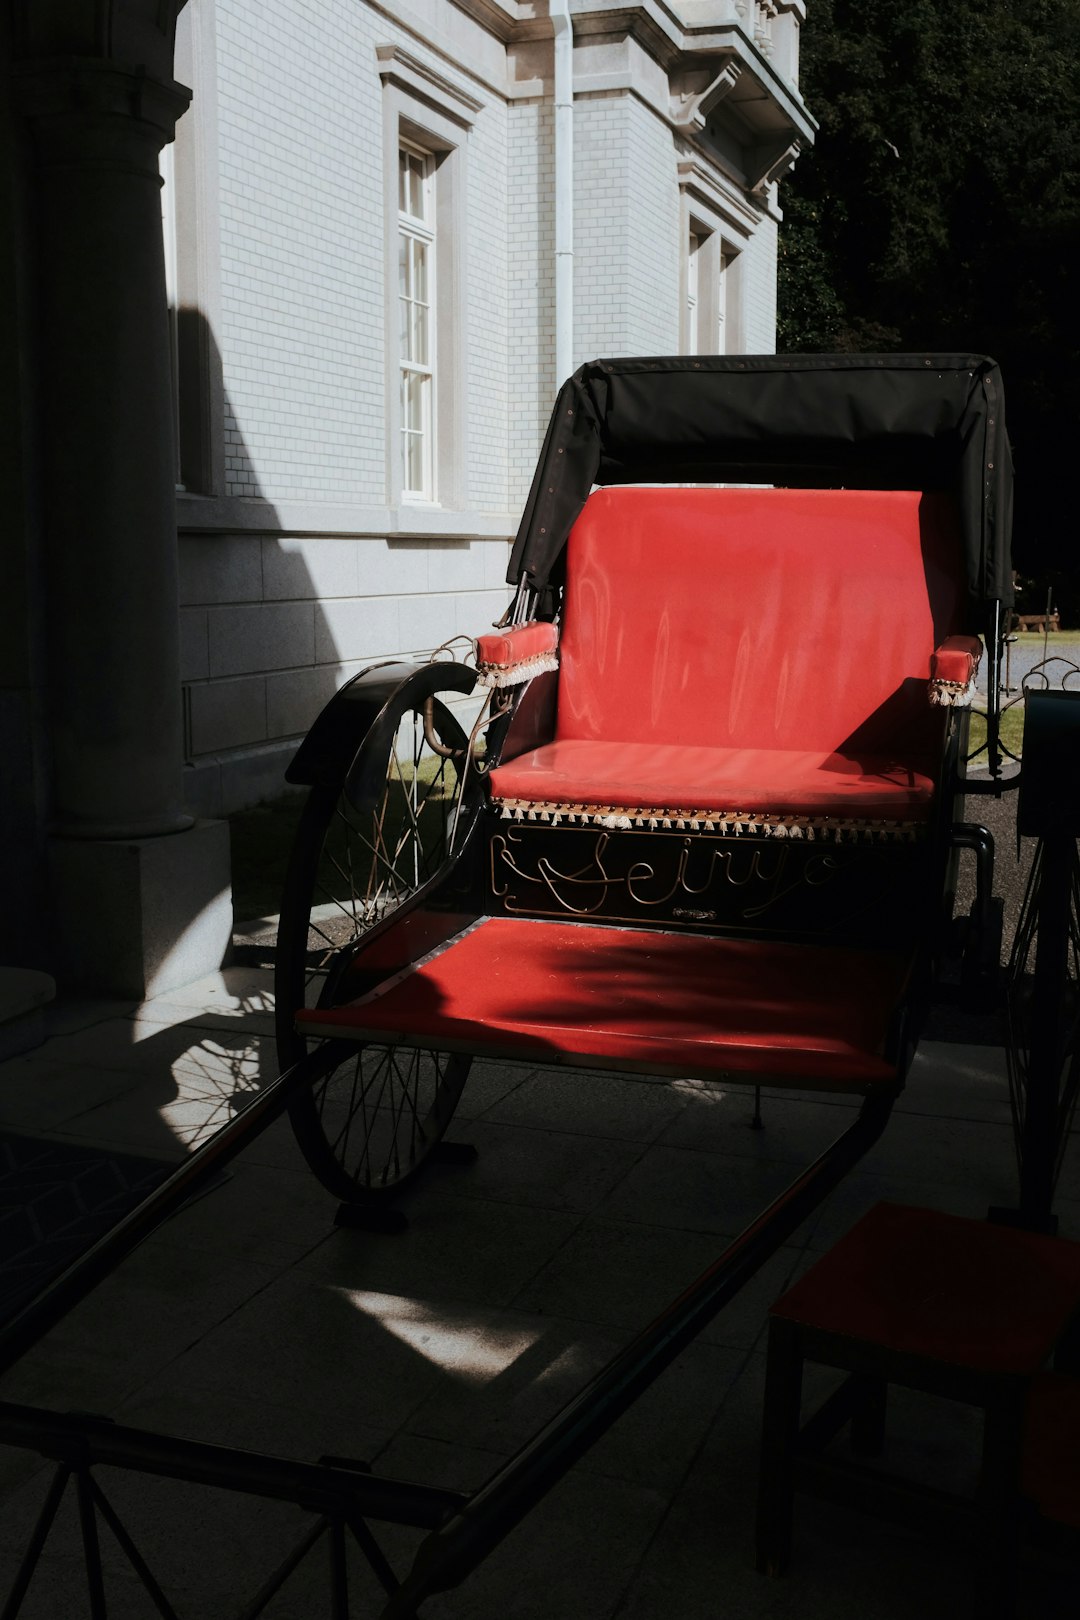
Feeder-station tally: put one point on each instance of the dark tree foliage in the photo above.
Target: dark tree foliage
(940, 209)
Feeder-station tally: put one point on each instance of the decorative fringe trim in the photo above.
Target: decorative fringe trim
(516, 674)
(951, 694)
(726, 823)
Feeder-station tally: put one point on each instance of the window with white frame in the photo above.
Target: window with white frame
(693, 250)
(426, 123)
(708, 315)
(416, 326)
(721, 302)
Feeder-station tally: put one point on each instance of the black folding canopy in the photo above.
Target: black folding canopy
(810, 421)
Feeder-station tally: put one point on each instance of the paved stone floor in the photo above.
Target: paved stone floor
(249, 1319)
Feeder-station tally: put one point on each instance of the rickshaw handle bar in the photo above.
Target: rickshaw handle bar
(43, 1312)
(82, 1439)
(451, 1552)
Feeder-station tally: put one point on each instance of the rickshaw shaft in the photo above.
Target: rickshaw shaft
(451, 1552)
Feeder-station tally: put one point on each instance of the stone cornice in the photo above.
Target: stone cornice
(698, 178)
(704, 42)
(209, 515)
(85, 87)
(769, 161)
(408, 72)
(503, 18)
(690, 108)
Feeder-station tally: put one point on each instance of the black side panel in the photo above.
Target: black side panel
(862, 891)
(1049, 803)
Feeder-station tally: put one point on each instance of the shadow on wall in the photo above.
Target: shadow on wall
(258, 656)
(273, 623)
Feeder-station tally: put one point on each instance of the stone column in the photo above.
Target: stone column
(109, 505)
(130, 879)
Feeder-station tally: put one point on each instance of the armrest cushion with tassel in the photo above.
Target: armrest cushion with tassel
(953, 667)
(511, 657)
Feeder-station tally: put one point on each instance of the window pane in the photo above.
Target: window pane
(403, 181)
(416, 432)
(419, 270)
(412, 196)
(415, 315)
(418, 347)
(693, 263)
(413, 415)
(414, 464)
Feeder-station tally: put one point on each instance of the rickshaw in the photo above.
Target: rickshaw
(689, 810)
(704, 821)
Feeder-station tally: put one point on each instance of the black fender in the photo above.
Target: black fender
(326, 753)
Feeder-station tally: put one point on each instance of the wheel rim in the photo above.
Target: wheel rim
(389, 832)
(369, 1120)
(379, 1113)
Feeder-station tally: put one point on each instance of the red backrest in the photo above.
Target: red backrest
(757, 618)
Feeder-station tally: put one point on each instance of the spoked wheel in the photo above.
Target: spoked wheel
(369, 1120)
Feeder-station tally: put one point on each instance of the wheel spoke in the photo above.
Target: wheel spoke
(408, 1096)
(366, 1126)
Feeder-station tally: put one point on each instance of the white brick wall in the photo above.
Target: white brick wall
(655, 243)
(299, 118)
(759, 289)
(488, 292)
(300, 113)
(259, 670)
(531, 284)
(272, 624)
(603, 197)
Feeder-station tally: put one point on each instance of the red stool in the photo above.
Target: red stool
(1050, 1488)
(1050, 1469)
(931, 1302)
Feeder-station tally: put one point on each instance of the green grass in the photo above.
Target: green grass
(1064, 644)
(1012, 732)
(261, 839)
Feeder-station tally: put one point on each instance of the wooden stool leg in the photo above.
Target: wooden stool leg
(1067, 1350)
(868, 1417)
(997, 1546)
(779, 1437)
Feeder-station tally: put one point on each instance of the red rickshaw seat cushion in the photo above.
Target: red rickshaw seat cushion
(749, 649)
(636, 776)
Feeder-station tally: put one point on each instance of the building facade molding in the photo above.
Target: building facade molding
(418, 79)
(67, 93)
(699, 182)
(201, 515)
(690, 107)
(105, 29)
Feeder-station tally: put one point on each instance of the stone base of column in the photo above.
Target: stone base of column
(24, 995)
(139, 916)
